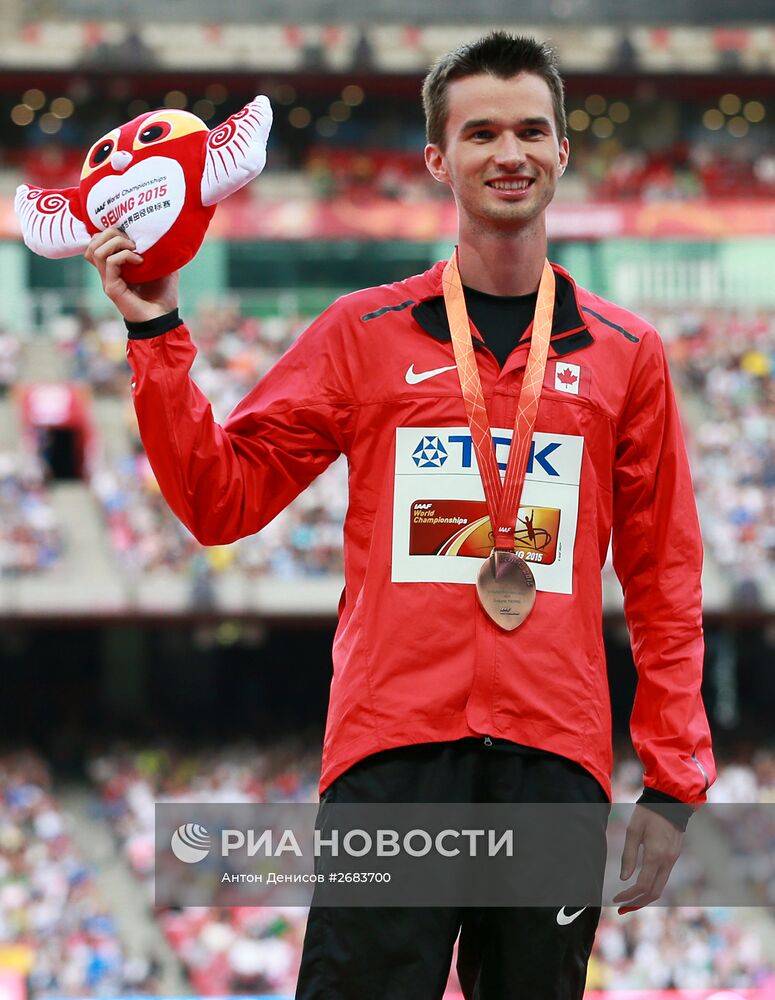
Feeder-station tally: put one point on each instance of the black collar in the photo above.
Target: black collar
(569, 331)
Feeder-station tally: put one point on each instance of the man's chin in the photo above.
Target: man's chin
(511, 216)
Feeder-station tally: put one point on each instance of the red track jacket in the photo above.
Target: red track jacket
(415, 658)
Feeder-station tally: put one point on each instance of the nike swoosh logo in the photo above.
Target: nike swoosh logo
(413, 377)
(568, 918)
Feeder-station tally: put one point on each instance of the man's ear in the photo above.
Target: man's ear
(436, 164)
(564, 155)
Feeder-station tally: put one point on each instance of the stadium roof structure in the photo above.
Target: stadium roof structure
(585, 12)
(320, 45)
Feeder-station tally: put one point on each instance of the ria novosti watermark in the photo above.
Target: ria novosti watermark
(191, 843)
(452, 854)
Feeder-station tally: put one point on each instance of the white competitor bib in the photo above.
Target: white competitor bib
(441, 529)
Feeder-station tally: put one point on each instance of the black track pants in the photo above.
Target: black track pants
(520, 953)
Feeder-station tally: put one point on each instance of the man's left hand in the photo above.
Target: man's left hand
(661, 842)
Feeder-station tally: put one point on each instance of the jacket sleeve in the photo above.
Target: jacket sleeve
(225, 482)
(657, 555)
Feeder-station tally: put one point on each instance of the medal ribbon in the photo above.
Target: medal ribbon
(502, 497)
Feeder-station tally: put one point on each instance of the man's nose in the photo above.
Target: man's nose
(510, 151)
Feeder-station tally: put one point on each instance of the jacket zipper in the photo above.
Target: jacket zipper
(703, 772)
(487, 741)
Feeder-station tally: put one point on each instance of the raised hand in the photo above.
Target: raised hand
(108, 252)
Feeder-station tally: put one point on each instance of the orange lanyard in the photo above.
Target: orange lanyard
(502, 497)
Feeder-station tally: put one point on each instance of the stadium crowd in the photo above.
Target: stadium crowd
(131, 781)
(51, 912)
(223, 950)
(725, 362)
(30, 538)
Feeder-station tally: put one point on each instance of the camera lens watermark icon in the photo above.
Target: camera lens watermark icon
(190, 843)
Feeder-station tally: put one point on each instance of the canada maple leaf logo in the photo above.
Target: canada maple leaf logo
(567, 377)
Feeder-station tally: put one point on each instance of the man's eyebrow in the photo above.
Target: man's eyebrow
(475, 123)
(480, 122)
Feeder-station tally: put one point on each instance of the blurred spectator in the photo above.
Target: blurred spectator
(130, 53)
(613, 172)
(363, 54)
(625, 55)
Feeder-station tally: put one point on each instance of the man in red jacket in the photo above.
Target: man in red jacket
(492, 362)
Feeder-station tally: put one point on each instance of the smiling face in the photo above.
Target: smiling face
(502, 156)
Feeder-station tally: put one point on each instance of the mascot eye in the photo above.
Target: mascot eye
(152, 133)
(101, 153)
(164, 126)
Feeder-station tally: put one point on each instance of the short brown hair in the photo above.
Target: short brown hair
(499, 54)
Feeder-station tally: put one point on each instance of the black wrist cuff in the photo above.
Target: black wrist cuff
(679, 813)
(153, 327)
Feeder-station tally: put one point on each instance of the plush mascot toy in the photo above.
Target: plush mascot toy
(157, 178)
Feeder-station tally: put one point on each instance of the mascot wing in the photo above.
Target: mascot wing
(236, 151)
(50, 221)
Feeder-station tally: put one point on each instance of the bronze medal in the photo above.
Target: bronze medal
(505, 585)
(506, 588)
